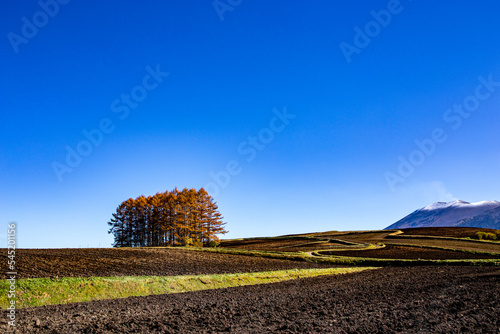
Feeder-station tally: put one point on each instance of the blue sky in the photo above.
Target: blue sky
(299, 117)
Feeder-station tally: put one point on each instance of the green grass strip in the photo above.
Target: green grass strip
(51, 291)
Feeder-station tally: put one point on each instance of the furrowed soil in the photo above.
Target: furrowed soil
(412, 253)
(87, 262)
(452, 244)
(455, 232)
(291, 244)
(429, 237)
(388, 300)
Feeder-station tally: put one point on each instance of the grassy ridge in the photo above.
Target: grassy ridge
(46, 291)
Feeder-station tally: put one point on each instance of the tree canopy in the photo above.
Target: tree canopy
(167, 219)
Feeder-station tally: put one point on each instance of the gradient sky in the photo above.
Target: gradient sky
(356, 113)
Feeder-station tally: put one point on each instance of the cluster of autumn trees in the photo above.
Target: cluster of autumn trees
(167, 219)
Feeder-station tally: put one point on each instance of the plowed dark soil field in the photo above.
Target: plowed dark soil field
(388, 300)
(87, 262)
(455, 232)
(412, 253)
(297, 244)
(429, 237)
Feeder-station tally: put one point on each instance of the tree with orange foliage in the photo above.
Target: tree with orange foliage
(167, 219)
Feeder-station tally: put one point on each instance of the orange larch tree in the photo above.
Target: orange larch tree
(167, 219)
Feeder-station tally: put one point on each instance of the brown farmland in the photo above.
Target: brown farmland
(422, 299)
(454, 232)
(289, 244)
(88, 262)
(388, 300)
(411, 253)
(426, 246)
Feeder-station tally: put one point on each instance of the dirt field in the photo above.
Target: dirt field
(87, 262)
(363, 237)
(384, 236)
(445, 299)
(281, 245)
(453, 244)
(455, 232)
(388, 300)
(402, 252)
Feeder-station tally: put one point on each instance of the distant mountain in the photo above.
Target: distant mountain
(456, 213)
(488, 219)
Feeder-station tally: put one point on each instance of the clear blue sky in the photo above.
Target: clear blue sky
(358, 94)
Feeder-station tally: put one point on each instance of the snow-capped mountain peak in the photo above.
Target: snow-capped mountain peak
(448, 214)
(460, 203)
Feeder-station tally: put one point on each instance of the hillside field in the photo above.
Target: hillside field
(416, 280)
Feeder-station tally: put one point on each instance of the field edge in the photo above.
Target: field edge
(33, 292)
